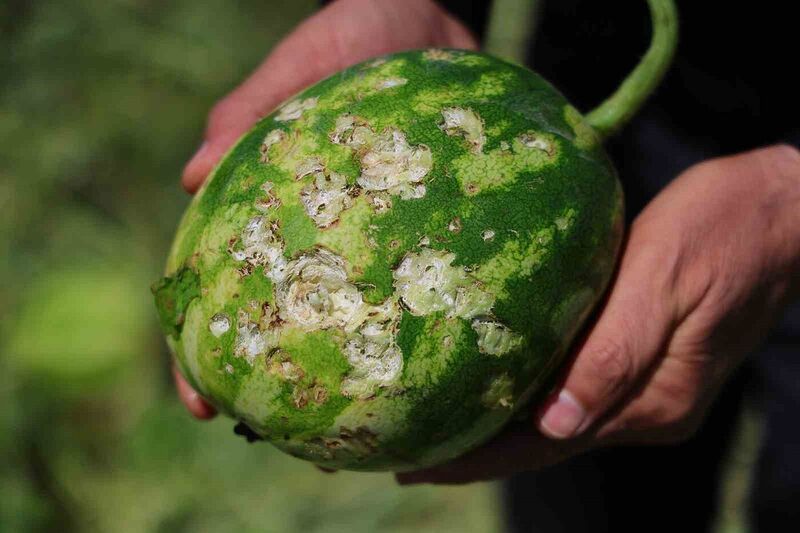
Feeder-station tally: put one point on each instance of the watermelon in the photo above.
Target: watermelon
(383, 271)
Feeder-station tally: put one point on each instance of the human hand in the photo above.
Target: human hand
(344, 33)
(707, 269)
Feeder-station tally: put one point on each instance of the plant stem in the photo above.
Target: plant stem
(619, 108)
(511, 28)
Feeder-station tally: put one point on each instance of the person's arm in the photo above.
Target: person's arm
(707, 269)
(343, 33)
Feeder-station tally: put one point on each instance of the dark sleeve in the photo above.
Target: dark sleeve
(473, 13)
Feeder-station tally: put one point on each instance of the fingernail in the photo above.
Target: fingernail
(563, 417)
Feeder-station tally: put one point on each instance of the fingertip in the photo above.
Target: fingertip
(201, 409)
(193, 402)
(207, 156)
(562, 416)
(196, 169)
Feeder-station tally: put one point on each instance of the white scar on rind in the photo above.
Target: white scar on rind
(532, 140)
(326, 197)
(466, 123)
(316, 294)
(388, 83)
(388, 162)
(294, 110)
(500, 392)
(271, 139)
(426, 282)
(313, 293)
(437, 54)
(219, 324)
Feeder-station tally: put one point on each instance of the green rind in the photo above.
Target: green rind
(557, 228)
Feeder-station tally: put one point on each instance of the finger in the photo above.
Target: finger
(196, 405)
(518, 448)
(624, 344)
(344, 33)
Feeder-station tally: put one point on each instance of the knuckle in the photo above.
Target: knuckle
(611, 363)
(783, 154)
(677, 424)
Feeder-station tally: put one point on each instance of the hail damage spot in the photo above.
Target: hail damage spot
(269, 201)
(499, 167)
(394, 166)
(279, 364)
(372, 351)
(272, 138)
(495, 338)
(315, 394)
(437, 54)
(351, 131)
(295, 109)
(388, 162)
(219, 325)
(534, 140)
(565, 221)
(427, 282)
(454, 226)
(466, 123)
(308, 166)
(326, 197)
(260, 244)
(380, 201)
(250, 341)
(376, 62)
(500, 392)
(388, 83)
(315, 293)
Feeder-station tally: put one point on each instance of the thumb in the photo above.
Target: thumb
(621, 348)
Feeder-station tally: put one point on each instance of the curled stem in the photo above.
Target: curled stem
(619, 108)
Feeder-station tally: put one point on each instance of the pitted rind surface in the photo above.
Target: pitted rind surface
(500, 393)
(326, 197)
(272, 138)
(315, 293)
(529, 152)
(388, 162)
(466, 123)
(322, 357)
(294, 110)
(495, 338)
(427, 282)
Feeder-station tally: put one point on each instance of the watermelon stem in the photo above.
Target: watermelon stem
(620, 107)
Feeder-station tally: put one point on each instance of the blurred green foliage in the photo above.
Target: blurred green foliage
(101, 103)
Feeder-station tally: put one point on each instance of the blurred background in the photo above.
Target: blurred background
(101, 103)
